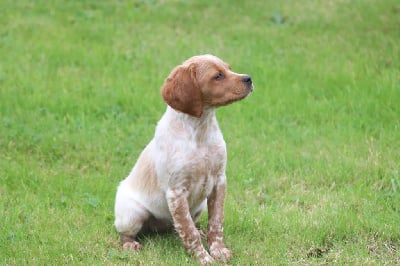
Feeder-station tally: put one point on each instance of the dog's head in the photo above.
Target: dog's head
(204, 81)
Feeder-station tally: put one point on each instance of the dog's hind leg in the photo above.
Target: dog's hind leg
(130, 217)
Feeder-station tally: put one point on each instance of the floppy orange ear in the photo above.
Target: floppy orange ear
(182, 92)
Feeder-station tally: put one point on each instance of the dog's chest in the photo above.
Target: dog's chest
(189, 153)
(202, 172)
(205, 151)
(208, 159)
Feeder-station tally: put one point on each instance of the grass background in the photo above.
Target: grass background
(314, 153)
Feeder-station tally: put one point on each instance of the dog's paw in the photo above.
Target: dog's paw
(132, 246)
(220, 253)
(206, 259)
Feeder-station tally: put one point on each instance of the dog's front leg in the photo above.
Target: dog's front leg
(215, 221)
(184, 225)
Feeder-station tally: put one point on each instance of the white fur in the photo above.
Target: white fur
(177, 152)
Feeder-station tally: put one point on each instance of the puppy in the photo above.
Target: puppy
(182, 170)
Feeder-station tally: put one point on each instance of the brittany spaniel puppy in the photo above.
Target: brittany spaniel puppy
(182, 170)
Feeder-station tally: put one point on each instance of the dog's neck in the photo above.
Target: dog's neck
(206, 117)
(196, 128)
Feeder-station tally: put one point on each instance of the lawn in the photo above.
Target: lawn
(313, 153)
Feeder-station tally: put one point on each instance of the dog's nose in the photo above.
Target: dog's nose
(247, 79)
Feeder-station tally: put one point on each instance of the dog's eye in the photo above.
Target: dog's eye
(219, 76)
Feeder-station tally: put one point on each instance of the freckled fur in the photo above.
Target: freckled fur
(182, 170)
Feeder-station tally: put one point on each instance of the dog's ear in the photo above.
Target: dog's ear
(182, 92)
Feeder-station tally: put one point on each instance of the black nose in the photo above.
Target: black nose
(247, 79)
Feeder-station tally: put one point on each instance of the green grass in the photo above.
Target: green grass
(314, 153)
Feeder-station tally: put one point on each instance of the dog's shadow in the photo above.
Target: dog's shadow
(168, 233)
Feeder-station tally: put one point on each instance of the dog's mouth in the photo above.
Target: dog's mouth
(239, 95)
(250, 89)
